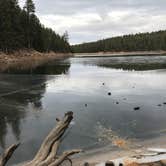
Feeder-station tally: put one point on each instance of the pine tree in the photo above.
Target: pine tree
(30, 10)
(10, 29)
(29, 7)
(21, 29)
(66, 36)
(138, 42)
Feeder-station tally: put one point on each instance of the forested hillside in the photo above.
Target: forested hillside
(21, 29)
(138, 42)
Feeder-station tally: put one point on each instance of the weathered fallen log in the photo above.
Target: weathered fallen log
(47, 154)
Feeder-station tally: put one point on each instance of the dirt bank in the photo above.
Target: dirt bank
(28, 59)
(123, 53)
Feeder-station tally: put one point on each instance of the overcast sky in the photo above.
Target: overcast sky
(89, 20)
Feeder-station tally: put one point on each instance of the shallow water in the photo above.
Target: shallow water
(30, 101)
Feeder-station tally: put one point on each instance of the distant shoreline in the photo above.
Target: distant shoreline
(122, 53)
(23, 59)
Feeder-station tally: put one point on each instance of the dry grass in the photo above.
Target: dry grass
(27, 59)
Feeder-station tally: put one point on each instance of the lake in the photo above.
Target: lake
(31, 100)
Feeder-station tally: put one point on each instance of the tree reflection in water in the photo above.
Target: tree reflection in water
(20, 90)
(137, 63)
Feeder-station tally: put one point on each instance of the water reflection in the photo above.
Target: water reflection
(46, 69)
(20, 94)
(31, 102)
(138, 63)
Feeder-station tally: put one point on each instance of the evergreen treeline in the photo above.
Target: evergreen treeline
(21, 29)
(138, 42)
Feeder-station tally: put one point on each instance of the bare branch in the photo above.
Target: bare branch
(64, 156)
(7, 154)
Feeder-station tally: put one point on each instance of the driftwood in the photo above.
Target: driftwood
(47, 154)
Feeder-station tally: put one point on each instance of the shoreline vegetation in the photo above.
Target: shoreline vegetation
(153, 41)
(121, 53)
(28, 59)
(26, 43)
(27, 33)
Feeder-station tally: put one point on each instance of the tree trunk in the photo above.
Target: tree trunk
(47, 154)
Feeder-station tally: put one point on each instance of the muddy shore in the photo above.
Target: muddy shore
(135, 147)
(22, 60)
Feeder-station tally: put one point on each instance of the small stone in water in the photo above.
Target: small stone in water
(159, 105)
(117, 102)
(137, 108)
(164, 103)
(109, 163)
(86, 105)
(86, 164)
(103, 83)
(109, 93)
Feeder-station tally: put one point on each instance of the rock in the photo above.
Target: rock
(86, 164)
(109, 163)
(164, 103)
(86, 105)
(163, 162)
(103, 83)
(109, 93)
(117, 102)
(159, 105)
(136, 108)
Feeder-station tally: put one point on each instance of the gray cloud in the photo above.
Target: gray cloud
(88, 20)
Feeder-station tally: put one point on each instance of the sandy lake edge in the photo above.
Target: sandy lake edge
(122, 53)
